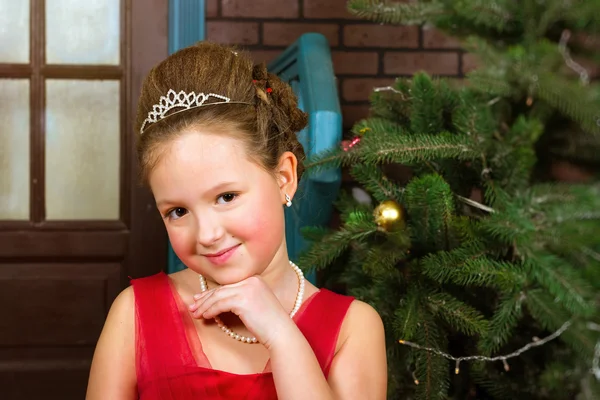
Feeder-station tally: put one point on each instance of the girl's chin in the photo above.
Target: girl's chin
(222, 277)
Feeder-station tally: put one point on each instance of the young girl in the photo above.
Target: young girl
(218, 148)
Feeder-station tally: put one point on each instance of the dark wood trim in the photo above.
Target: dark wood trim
(149, 37)
(54, 71)
(63, 225)
(15, 71)
(125, 96)
(37, 102)
(63, 245)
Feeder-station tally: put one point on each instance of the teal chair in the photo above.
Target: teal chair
(306, 65)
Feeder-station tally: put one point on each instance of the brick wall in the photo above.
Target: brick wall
(365, 55)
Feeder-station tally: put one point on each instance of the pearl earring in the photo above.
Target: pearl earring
(288, 200)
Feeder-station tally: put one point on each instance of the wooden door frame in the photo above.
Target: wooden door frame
(138, 238)
(147, 253)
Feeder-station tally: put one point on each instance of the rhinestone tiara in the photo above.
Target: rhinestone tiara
(184, 101)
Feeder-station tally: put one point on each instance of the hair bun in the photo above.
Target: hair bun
(259, 72)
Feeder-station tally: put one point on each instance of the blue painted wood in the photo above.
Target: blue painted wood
(186, 27)
(306, 65)
(186, 23)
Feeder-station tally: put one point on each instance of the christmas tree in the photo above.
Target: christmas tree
(483, 267)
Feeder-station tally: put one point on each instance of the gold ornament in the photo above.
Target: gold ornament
(389, 215)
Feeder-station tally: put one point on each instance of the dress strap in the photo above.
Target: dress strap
(321, 323)
(160, 349)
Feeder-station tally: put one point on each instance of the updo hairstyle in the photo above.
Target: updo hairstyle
(267, 124)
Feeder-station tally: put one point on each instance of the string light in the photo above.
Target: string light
(535, 343)
(596, 361)
(387, 89)
(415, 378)
(564, 51)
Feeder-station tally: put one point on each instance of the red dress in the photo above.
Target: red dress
(171, 365)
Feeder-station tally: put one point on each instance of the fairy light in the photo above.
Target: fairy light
(414, 375)
(564, 51)
(596, 361)
(535, 343)
(386, 89)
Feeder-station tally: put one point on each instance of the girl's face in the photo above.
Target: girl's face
(223, 212)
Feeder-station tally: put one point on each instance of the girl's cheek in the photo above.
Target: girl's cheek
(262, 231)
(182, 242)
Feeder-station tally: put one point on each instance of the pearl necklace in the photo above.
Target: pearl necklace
(244, 339)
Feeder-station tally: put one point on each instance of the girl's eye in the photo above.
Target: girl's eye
(177, 213)
(226, 198)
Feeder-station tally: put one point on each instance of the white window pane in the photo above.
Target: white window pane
(14, 149)
(82, 150)
(82, 32)
(14, 31)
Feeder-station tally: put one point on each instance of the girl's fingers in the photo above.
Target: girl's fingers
(219, 307)
(201, 298)
(207, 301)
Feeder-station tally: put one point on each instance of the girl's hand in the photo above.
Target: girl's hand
(251, 300)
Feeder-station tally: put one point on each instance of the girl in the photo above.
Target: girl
(218, 147)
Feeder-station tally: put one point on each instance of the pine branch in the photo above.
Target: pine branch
(315, 233)
(550, 14)
(332, 158)
(474, 118)
(322, 253)
(503, 323)
(426, 107)
(391, 103)
(584, 15)
(407, 315)
(396, 13)
(569, 98)
(511, 227)
(499, 386)
(493, 85)
(470, 266)
(407, 150)
(542, 307)
(381, 261)
(376, 183)
(346, 204)
(484, 13)
(562, 282)
(457, 314)
(431, 370)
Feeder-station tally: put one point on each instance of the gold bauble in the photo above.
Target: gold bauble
(389, 215)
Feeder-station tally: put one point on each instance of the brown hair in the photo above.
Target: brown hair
(267, 123)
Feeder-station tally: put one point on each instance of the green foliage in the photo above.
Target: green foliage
(430, 203)
(491, 253)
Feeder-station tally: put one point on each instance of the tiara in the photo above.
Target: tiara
(182, 100)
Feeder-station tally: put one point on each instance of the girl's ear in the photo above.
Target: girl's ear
(287, 175)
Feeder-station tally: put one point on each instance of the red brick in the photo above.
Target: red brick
(351, 114)
(265, 56)
(353, 63)
(232, 32)
(283, 34)
(591, 42)
(565, 171)
(433, 63)
(469, 62)
(593, 69)
(435, 39)
(381, 36)
(261, 8)
(327, 9)
(212, 8)
(357, 89)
